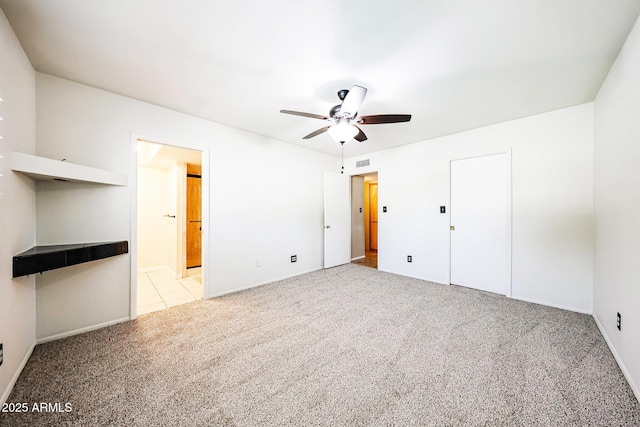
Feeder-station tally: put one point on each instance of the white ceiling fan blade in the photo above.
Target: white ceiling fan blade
(352, 101)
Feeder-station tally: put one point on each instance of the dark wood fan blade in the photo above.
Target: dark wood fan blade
(300, 113)
(360, 136)
(318, 132)
(384, 118)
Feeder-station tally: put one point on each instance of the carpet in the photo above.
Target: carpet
(344, 346)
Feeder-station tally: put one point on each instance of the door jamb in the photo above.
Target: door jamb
(133, 182)
(377, 173)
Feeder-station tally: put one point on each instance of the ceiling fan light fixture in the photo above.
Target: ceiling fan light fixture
(343, 118)
(342, 131)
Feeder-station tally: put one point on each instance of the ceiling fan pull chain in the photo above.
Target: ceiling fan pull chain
(342, 146)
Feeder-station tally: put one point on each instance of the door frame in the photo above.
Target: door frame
(357, 203)
(509, 214)
(365, 174)
(133, 182)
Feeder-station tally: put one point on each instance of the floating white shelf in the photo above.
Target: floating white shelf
(42, 168)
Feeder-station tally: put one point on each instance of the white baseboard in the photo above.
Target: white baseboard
(81, 330)
(625, 371)
(548, 304)
(255, 285)
(414, 277)
(15, 377)
(562, 307)
(358, 257)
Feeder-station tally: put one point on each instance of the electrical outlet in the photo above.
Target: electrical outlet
(619, 321)
(409, 258)
(294, 258)
(1, 354)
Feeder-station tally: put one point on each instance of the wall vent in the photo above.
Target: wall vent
(362, 163)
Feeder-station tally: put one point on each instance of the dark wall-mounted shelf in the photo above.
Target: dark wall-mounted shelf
(44, 258)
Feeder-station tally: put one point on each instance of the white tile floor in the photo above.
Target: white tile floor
(159, 289)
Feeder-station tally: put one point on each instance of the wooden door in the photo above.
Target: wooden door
(373, 216)
(194, 217)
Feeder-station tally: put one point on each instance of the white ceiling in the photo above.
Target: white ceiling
(161, 156)
(454, 65)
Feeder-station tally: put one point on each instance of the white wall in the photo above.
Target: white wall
(17, 206)
(617, 208)
(552, 237)
(157, 234)
(266, 201)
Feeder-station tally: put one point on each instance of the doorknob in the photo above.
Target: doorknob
(327, 226)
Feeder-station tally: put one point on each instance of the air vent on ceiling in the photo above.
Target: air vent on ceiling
(362, 163)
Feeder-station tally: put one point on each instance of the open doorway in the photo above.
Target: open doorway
(364, 219)
(169, 226)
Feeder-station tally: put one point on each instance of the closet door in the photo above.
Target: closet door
(479, 221)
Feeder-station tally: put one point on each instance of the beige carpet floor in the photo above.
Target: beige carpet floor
(345, 346)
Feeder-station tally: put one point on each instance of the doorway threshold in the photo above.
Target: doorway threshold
(370, 260)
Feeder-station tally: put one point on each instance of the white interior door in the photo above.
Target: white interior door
(479, 223)
(337, 219)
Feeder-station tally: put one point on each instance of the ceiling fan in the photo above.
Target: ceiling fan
(344, 120)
